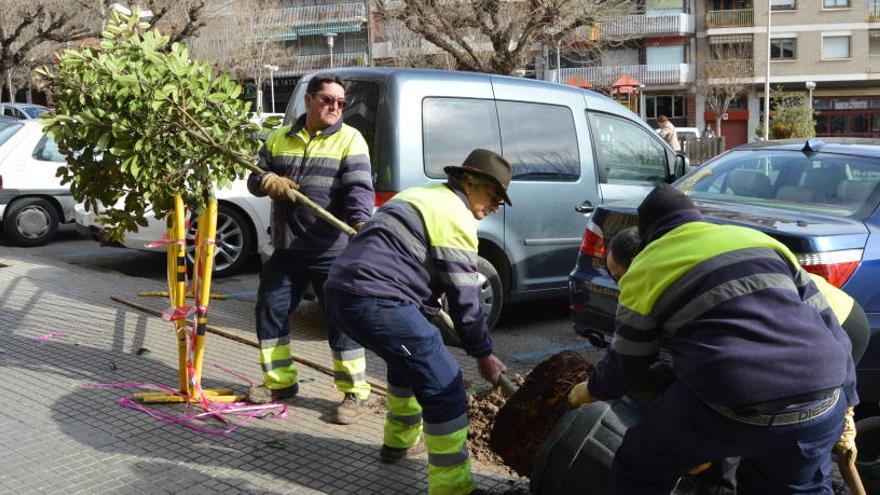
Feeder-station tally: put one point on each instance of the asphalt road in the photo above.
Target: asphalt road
(527, 333)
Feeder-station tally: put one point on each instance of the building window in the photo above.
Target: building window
(670, 106)
(835, 4)
(835, 47)
(783, 4)
(783, 48)
(665, 55)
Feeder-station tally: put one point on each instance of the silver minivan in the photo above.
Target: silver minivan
(570, 150)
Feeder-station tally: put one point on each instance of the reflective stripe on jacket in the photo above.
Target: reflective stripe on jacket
(743, 321)
(417, 246)
(332, 169)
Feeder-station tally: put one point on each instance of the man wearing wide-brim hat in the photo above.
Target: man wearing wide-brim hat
(384, 288)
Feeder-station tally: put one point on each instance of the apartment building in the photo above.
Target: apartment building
(832, 44)
(321, 34)
(659, 54)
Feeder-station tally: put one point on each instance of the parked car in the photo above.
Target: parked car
(32, 200)
(568, 147)
(819, 198)
(22, 111)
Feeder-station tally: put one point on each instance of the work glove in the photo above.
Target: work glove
(847, 442)
(358, 226)
(579, 395)
(276, 186)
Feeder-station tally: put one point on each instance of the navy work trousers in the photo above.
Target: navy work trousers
(411, 347)
(679, 432)
(283, 283)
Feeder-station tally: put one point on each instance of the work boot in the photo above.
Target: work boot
(390, 455)
(261, 395)
(349, 410)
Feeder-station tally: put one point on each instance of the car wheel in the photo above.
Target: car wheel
(491, 291)
(233, 242)
(30, 222)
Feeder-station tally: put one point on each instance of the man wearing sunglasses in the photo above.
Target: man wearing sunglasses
(329, 162)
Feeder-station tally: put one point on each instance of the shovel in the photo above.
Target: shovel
(847, 464)
(507, 386)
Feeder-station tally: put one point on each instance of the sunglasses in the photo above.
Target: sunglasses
(330, 100)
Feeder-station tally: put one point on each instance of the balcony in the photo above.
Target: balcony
(307, 63)
(289, 23)
(874, 63)
(730, 18)
(646, 74)
(636, 26)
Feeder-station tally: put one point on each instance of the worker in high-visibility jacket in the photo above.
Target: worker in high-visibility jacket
(329, 162)
(763, 369)
(720, 477)
(385, 287)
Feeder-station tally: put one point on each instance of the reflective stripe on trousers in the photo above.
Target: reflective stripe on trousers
(403, 423)
(279, 369)
(449, 465)
(350, 372)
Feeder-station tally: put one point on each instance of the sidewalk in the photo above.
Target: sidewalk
(60, 436)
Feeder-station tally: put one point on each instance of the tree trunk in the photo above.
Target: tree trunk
(717, 125)
(9, 87)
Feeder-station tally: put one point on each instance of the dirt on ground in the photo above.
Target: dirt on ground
(483, 407)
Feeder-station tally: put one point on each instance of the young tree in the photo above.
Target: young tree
(242, 39)
(498, 36)
(723, 78)
(790, 117)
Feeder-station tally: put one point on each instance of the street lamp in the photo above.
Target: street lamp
(767, 76)
(272, 69)
(330, 37)
(810, 87)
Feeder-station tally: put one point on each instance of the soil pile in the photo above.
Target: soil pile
(483, 406)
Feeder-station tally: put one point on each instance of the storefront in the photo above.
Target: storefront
(847, 116)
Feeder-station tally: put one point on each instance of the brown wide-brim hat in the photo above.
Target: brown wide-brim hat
(487, 164)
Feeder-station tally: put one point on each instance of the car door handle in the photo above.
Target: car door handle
(585, 207)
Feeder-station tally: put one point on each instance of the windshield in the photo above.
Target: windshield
(7, 129)
(34, 112)
(823, 183)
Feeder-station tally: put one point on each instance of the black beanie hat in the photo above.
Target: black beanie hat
(663, 200)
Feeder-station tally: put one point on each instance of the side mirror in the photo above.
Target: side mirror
(680, 166)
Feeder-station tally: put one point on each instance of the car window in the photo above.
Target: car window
(7, 129)
(453, 127)
(47, 150)
(361, 105)
(12, 112)
(627, 153)
(826, 183)
(542, 147)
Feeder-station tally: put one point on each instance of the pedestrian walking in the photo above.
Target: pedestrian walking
(328, 161)
(386, 286)
(763, 368)
(668, 132)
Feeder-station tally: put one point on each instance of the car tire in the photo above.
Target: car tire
(233, 243)
(30, 222)
(491, 291)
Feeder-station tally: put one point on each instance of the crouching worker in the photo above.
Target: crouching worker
(763, 369)
(385, 286)
(720, 477)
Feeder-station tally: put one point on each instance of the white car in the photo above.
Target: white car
(243, 222)
(32, 200)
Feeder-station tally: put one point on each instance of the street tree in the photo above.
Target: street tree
(29, 29)
(140, 122)
(242, 39)
(498, 36)
(723, 78)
